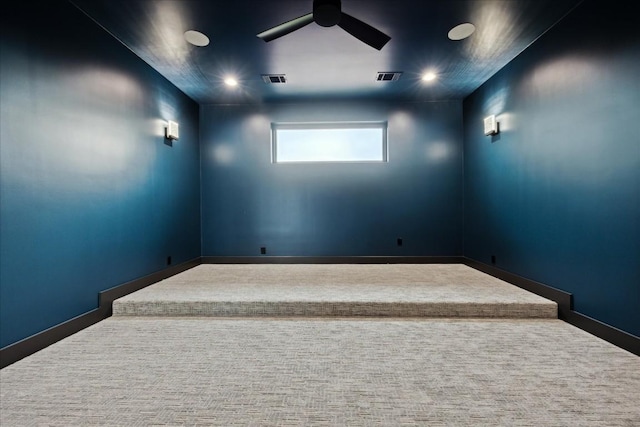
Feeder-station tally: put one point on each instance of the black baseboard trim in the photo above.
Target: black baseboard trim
(26, 347)
(332, 260)
(106, 297)
(609, 333)
(562, 298)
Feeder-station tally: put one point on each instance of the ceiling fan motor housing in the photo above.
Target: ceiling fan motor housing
(327, 13)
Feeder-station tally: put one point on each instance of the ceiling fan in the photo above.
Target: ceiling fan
(328, 13)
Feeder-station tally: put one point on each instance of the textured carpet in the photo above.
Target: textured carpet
(396, 290)
(130, 371)
(326, 371)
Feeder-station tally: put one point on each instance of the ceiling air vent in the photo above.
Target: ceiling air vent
(274, 78)
(388, 76)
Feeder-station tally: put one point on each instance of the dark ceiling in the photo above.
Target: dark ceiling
(325, 62)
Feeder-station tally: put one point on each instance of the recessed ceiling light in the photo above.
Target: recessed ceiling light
(196, 38)
(461, 31)
(230, 81)
(429, 76)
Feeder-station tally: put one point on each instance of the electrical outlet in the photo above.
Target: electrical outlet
(263, 250)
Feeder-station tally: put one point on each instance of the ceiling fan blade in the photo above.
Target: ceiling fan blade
(286, 28)
(364, 32)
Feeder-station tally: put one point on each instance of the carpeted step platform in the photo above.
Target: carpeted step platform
(371, 290)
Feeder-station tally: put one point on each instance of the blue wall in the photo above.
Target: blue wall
(91, 195)
(338, 209)
(556, 195)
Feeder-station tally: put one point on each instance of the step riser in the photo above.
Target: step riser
(335, 309)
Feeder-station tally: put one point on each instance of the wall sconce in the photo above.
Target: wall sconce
(171, 131)
(491, 125)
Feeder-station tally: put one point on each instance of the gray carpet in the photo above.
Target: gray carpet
(395, 290)
(135, 369)
(324, 372)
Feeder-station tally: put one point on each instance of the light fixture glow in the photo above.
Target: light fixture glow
(462, 31)
(490, 125)
(231, 82)
(172, 131)
(196, 38)
(429, 76)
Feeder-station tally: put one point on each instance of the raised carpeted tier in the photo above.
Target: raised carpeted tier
(340, 290)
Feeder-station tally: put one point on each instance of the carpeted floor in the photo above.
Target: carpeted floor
(397, 290)
(324, 371)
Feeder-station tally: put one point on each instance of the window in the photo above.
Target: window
(329, 142)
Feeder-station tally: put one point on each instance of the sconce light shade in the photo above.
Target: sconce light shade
(172, 131)
(490, 125)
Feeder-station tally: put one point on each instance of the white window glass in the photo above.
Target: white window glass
(329, 142)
